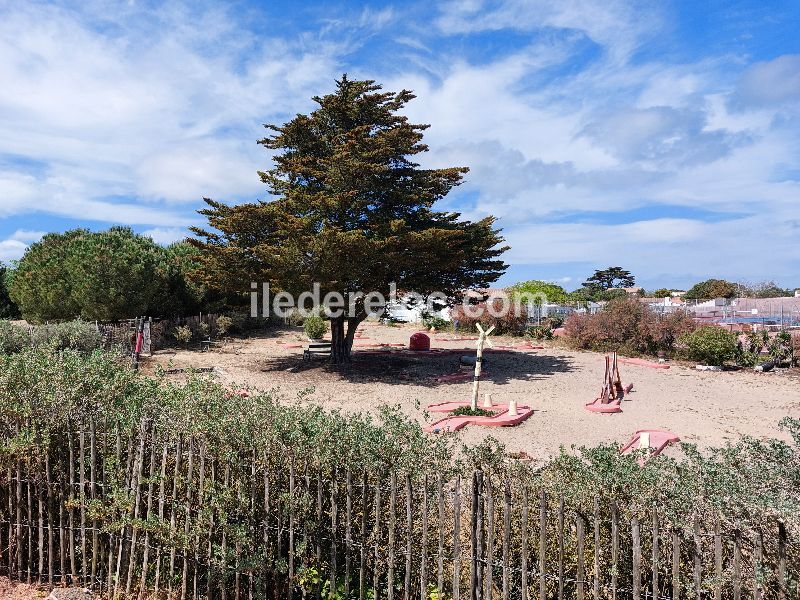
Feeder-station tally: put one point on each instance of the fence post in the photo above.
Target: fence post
(488, 573)
(656, 556)
(560, 538)
(676, 565)
(524, 564)
(543, 545)
(457, 539)
(596, 578)
(476, 535)
(391, 541)
(698, 560)
(637, 558)
(782, 583)
(506, 539)
(409, 537)
(614, 549)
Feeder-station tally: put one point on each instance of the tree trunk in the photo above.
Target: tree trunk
(341, 340)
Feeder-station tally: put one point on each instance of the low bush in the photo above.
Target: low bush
(315, 327)
(513, 321)
(13, 338)
(183, 334)
(228, 448)
(711, 345)
(435, 321)
(539, 332)
(74, 335)
(224, 324)
(626, 325)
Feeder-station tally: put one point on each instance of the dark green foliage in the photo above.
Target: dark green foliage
(8, 308)
(472, 412)
(612, 277)
(353, 212)
(712, 288)
(435, 321)
(105, 276)
(711, 345)
(315, 327)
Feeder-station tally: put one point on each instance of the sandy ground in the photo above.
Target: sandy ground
(706, 408)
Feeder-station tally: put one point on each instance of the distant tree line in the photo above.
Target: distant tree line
(615, 282)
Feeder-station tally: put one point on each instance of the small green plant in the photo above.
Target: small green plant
(203, 330)
(183, 333)
(470, 412)
(295, 318)
(315, 327)
(780, 347)
(224, 325)
(435, 321)
(539, 332)
(711, 345)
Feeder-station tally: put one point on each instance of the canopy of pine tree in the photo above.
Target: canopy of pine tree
(352, 212)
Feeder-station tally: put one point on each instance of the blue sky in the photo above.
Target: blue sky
(663, 137)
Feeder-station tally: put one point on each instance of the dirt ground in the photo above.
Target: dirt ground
(705, 408)
(18, 591)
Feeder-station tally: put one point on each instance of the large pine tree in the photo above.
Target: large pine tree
(353, 212)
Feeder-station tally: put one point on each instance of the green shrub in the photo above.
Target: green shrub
(73, 335)
(539, 332)
(435, 321)
(224, 324)
(315, 327)
(13, 338)
(77, 335)
(183, 333)
(710, 345)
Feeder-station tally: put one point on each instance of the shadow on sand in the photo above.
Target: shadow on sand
(423, 369)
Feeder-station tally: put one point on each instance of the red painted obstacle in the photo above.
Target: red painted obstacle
(419, 342)
(653, 440)
(611, 395)
(643, 363)
(501, 418)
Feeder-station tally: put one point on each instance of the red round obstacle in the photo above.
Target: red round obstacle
(419, 342)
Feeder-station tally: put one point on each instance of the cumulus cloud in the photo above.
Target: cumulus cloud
(167, 117)
(770, 83)
(132, 115)
(166, 235)
(15, 245)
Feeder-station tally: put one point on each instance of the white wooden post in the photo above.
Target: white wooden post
(483, 338)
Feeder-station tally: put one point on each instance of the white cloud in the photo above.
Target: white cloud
(11, 250)
(26, 235)
(15, 245)
(130, 115)
(619, 27)
(166, 235)
(771, 82)
(163, 104)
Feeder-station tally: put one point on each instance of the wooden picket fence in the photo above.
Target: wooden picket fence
(136, 512)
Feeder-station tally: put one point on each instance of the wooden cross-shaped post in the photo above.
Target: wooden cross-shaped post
(483, 339)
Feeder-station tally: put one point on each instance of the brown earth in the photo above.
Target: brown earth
(705, 408)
